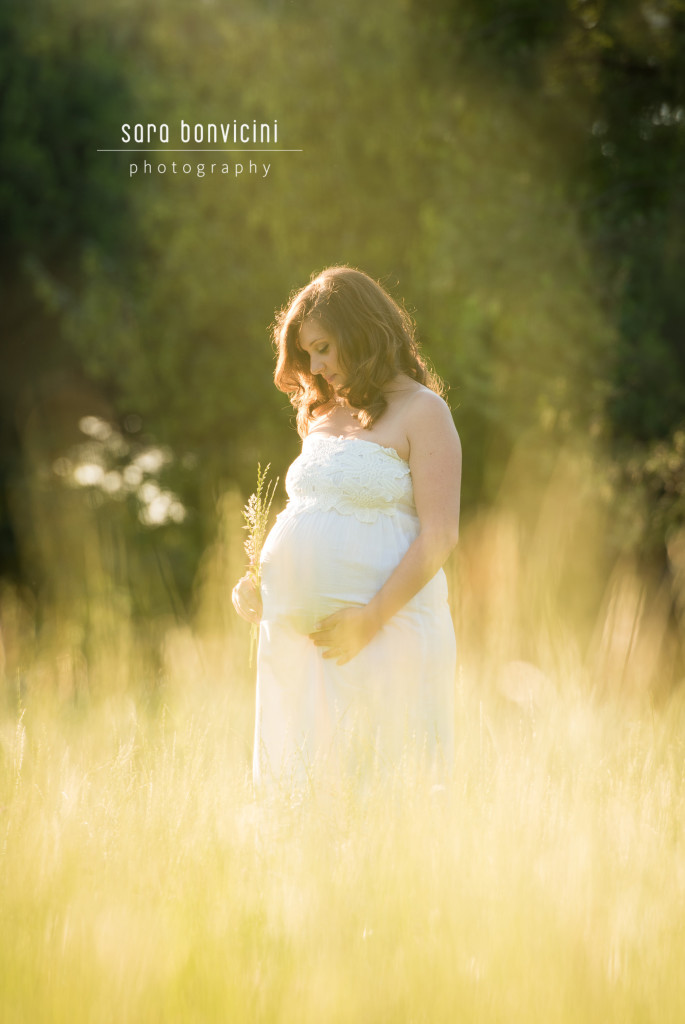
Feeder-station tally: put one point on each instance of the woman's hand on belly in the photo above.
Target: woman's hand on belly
(247, 600)
(345, 633)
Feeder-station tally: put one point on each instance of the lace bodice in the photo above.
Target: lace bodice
(351, 475)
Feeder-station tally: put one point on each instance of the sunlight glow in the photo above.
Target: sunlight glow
(152, 459)
(89, 474)
(95, 427)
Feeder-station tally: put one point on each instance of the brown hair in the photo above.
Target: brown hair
(375, 339)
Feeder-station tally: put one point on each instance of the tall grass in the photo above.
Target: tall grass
(544, 880)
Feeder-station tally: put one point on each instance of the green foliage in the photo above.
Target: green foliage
(515, 33)
(449, 190)
(59, 86)
(651, 479)
(509, 170)
(634, 207)
(610, 80)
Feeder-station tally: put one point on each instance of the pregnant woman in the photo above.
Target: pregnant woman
(356, 657)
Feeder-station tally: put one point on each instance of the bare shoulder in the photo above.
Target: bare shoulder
(319, 415)
(435, 463)
(429, 420)
(426, 402)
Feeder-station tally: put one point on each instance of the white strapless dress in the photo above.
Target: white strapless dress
(349, 520)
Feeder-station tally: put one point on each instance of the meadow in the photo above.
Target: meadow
(142, 880)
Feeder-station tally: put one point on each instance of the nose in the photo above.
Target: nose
(316, 363)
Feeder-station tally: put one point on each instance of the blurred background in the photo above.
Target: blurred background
(511, 169)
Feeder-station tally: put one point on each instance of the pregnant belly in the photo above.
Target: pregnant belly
(315, 562)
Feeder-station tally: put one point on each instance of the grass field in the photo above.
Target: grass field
(141, 880)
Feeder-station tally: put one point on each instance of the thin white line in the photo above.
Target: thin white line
(200, 151)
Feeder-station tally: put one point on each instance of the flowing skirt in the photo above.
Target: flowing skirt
(395, 698)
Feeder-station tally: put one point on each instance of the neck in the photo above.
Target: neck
(400, 382)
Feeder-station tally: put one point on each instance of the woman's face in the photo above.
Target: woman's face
(322, 349)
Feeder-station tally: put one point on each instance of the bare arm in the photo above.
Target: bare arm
(435, 463)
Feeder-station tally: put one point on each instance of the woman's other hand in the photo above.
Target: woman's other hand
(344, 633)
(247, 600)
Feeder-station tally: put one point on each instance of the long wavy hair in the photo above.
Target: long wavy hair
(375, 338)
